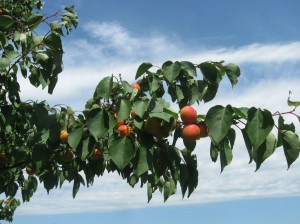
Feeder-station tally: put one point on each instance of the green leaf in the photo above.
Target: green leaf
(41, 58)
(10, 55)
(127, 87)
(54, 128)
(225, 155)
(190, 145)
(75, 136)
(50, 179)
(188, 69)
(140, 107)
(29, 187)
(154, 83)
(34, 19)
(292, 103)
(3, 40)
(210, 92)
(132, 180)
(52, 83)
(142, 165)
(162, 115)
(231, 137)
(265, 150)
(260, 124)
(4, 63)
(173, 188)
(40, 153)
(179, 93)
(233, 72)
(149, 191)
(167, 190)
(248, 144)
(123, 109)
(193, 180)
(76, 185)
(219, 121)
(291, 146)
(241, 112)
(97, 122)
(11, 189)
(172, 112)
(283, 127)
(171, 70)
(183, 178)
(210, 73)
(104, 88)
(86, 147)
(172, 92)
(174, 155)
(54, 42)
(142, 69)
(197, 91)
(214, 152)
(6, 22)
(121, 151)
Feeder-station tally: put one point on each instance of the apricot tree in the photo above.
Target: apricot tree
(125, 128)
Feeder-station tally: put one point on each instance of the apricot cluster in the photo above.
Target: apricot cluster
(192, 130)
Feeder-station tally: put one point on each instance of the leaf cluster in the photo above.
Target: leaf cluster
(32, 151)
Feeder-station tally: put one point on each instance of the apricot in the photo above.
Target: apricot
(119, 123)
(29, 170)
(136, 86)
(64, 136)
(68, 156)
(203, 129)
(190, 132)
(188, 115)
(97, 154)
(154, 126)
(125, 130)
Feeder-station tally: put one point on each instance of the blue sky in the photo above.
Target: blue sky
(116, 36)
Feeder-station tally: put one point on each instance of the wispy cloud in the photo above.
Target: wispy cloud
(255, 53)
(116, 40)
(111, 48)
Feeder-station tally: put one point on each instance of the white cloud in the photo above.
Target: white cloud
(255, 53)
(111, 48)
(117, 40)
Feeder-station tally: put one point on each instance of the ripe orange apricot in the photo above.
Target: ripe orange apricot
(97, 154)
(188, 115)
(154, 126)
(190, 132)
(136, 86)
(29, 170)
(64, 136)
(125, 130)
(7, 201)
(203, 129)
(119, 123)
(68, 156)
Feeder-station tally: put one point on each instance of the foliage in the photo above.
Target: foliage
(33, 151)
